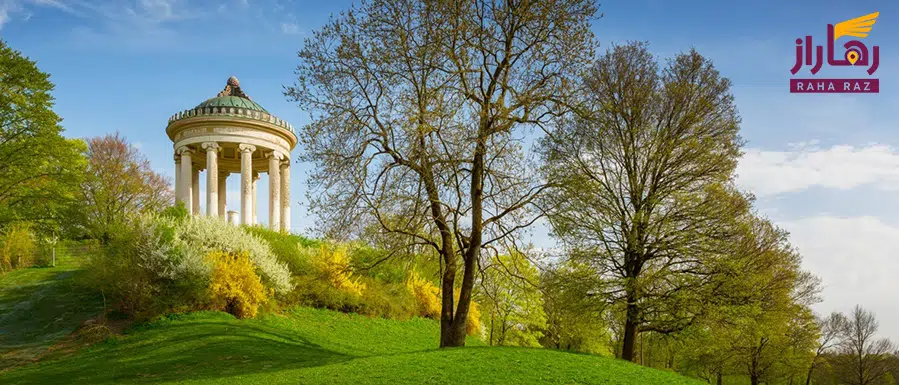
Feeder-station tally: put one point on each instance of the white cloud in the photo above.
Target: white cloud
(769, 173)
(54, 4)
(290, 28)
(857, 259)
(8, 7)
(160, 25)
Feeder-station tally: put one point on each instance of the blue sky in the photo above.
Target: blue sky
(825, 167)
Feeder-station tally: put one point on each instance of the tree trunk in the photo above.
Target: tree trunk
(457, 327)
(448, 254)
(492, 316)
(453, 334)
(446, 311)
(808, 377)
(720, 379)
(754, 379)
(630, 330)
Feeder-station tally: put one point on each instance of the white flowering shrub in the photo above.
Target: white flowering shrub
(155, 250)
(197, 236)
(142, 271)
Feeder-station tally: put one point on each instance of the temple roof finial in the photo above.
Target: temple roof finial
(232, 88)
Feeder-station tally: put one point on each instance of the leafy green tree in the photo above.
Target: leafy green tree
(774, 345)
(418, 111)
(707, 353)
(39, 168)
(17, 247)
(760, 325)
(646, 195)
(511, 301)
(574, 317)
(119, 182)
(888, 379)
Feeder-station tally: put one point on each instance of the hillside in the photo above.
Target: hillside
(318, 346)
(40, 306)
(302, 345)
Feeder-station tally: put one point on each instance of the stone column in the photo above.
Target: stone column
(177, 178)
(246, 168)
(223, 194)
(285, 196)
(186, 183)
(212, 178)
(274, 190)
(195, 190)
(255, 197)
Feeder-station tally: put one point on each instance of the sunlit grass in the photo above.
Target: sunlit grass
(318, 346)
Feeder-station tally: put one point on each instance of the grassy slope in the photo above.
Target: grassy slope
(318, 346)
(38, 306)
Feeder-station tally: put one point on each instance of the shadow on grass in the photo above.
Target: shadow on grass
(38, 306)
(189, 350)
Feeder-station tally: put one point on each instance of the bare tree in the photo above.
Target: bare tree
(418, 111)
(831, 329)
(867, 359)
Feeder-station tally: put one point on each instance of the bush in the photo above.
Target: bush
(329, 282)
(311, 290)
(177, 212)
(234, 286)
(142, 271)
(429, 303)
(197, 236)
(17, 247)
(426, 295)
(92, 332)
(387, 300)
(159, 264)
(43, 256)
(333, 265)
(392, 266)
(293, 250)
(473, 323)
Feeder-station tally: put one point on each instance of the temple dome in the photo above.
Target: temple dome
(232, 101)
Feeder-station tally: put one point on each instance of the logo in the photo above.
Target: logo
(855, 55)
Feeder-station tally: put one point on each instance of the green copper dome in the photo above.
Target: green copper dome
(232, 101)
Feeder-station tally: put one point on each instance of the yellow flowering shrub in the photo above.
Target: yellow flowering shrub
(473, 323)
(234, 286)
(333, 264)
(17, 247)
(426, 295)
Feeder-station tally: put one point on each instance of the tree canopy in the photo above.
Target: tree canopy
(119, 182)
(39, 168)
(645, 192)
(418, 112)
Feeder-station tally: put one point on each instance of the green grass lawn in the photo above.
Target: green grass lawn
(311, 346)
(41, 306)
(38, 307)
